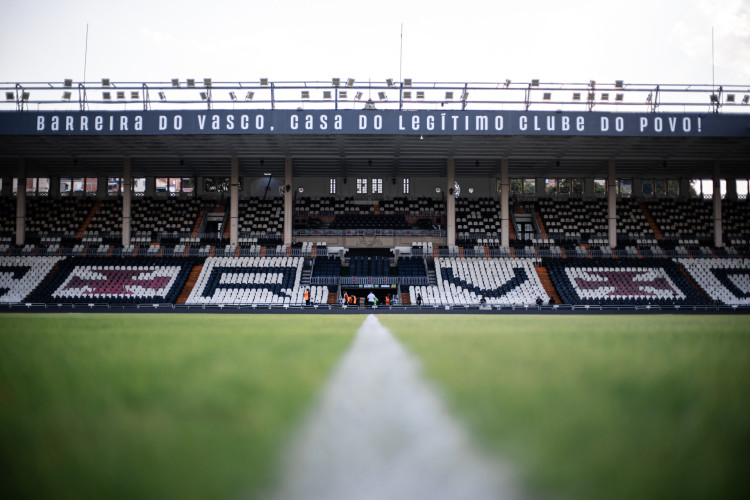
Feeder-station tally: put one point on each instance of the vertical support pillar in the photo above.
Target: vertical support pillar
(504, 208)
(611, 205)
(684, 189)
(127, 192)
(288, 201)
(732, 189)
(717, 206)
(21, 205)
(588, 187)
(540, 189)
(54, 187)
(450, 201)
(102, 185)
(234, 201)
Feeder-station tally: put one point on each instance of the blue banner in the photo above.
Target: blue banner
(374, 122)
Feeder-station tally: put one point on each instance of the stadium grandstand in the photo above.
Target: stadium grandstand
(193, 193)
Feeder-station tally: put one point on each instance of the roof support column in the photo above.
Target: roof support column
(504, 200)
(717, 206)
(611, 205)
(288, 201)
(21, 204)
(450, 201)
(234, 201)
(127, 192)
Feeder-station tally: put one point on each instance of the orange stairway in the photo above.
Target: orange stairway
(191, 281)
(194, 233)
(651, 221)
(542, 230)
(88, 219)
(544, 278)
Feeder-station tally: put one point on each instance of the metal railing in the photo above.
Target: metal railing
(386, 94)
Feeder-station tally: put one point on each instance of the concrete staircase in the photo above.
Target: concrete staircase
(544, 278)
(190, 283)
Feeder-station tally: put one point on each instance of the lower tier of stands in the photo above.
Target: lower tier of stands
(456, 281)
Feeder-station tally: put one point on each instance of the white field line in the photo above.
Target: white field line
(379, 432)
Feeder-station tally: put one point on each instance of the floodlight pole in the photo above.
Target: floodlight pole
(146, 98)
(82, 96)
(273, 98)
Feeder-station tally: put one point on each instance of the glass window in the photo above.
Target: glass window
(91, 184)
(114, 185)
(139, 185)
(660, 187)
(31, 185)
(624, 187)
(516, 186)
(577, 185)
(529, 186)
(550, 186)
(406, 185)
(647, 186)
(216, 184)
(563, 186)
(162, 184)
(188, 184)
(42, 185)
(673, 187)
(600, 186)
(79, 184)
(66, 185)
(15, 185)
(742, 187)
(332, 186)
(361, 186)
(377, 186)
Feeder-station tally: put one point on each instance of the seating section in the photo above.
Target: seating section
(7, 215)
(411, 267)
(327, 267)
(369, 266)
(46, 215)
(682, 218)
(131, 280)
(326, 206)
(466, 281)
(369, 221)
(476, 218)
(19, 276)
(164, 215)
(725, 281)
(261, 216)
(621, 282)
(253, 280)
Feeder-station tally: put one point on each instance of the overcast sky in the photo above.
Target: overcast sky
(638, 41)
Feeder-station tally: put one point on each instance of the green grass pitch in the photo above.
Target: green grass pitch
(199, 406)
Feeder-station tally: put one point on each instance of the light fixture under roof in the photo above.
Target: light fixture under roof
(249, 96)
(233, 96)
(9, 96)
(206, 82)
(605, 96)
(407, 94)
(535, 82)
(464, 95)
(305, 94)
(358, 96)
(746, 99)
(576, 96)
(191, 82)
(134, 95)
(105, 82)
(619, 84)
(648, 97)
(68, 82)
(449, 96)
(204, 96)
(264, 81)
(591, 96)
(547, 96)
(121, 95)
(382, 96)
(714, 98)
(66, 96)
(162, 96)
(389, 82)
(592, 84)
(507, 83)
(327, 94)
(342, 94)
(619, 97)
(420, 94)
(407, 82)
(336, 82)
(25, 95)
(730, 97)
(350, 82)
(175, 82)
(107, 96)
